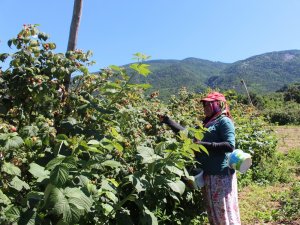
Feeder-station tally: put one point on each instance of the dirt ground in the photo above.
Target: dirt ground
(288, 137)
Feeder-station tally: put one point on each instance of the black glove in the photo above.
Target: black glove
(216, 146)
(176, 127)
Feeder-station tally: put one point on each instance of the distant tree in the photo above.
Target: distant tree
(77, 9)
(293, 93)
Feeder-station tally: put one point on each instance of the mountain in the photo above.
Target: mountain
(169, 75)
(262, 73)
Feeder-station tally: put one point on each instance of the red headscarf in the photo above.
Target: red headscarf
(214, 96)
(217, 99)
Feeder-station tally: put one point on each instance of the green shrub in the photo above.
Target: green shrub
(253, 135)
(273, 169)
(294, 156)
(245, 179)
(284, 116)
(290, 204)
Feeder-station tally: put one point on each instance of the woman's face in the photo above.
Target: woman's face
(208, 111)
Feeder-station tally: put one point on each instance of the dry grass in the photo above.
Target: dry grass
(288, 137)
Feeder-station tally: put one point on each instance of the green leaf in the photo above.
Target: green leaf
(71, 203)
(93, 142)
(138, 181)
(91, 188)
(4, 199)
(111, 196)
(114, 132)
(111, 163)
(35, 195)
(54, 162)
(107, 144)
(203, 149)
(18, 184)
(30, 131)
(113, 86)
(12, 213)
(161, 147)
(195, 147)
(116, 68)
(141, 69)
(118, 146)
(9, 43)
(113, 181)
(42, 36)
(52, 46)
(111, 91)
(60, 204)
(177, 186)
(10, 169)
(84, 70)
(147, 154)
(14, 143)
(140, 56)
(78, 198)
(174, 196)
(143, 86)
(29, 217)
(107, 208)
(62, 137)
(174, 169)
(38, 171)
(59, 175)
(106, 186)
(149, 217)
(70, 162)
(199, 135)
(33, 43)
(93, 149)
(3, 56)
(47, 192)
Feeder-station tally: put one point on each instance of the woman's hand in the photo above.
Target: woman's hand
(161, 118)
(196, 141)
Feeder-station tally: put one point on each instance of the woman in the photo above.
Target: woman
(220, 188)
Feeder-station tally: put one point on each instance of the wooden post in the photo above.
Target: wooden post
(73, 35)
(249, 98)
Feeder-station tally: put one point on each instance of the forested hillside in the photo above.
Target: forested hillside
(262, 73)
(169, 75)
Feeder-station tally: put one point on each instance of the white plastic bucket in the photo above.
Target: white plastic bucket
(199, 179)
(239, 160)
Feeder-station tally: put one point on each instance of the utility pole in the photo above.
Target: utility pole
(249, 98)
(74, 28)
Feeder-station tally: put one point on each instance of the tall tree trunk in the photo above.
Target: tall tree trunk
(77, 8)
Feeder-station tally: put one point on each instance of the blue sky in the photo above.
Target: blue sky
(217, 30)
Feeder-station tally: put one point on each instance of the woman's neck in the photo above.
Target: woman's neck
(211, 118)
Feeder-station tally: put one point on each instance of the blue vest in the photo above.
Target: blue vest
(219, 130)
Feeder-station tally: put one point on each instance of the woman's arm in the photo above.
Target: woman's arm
(210, 146)
(216, 146)
(176, 127)
(227, 131)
